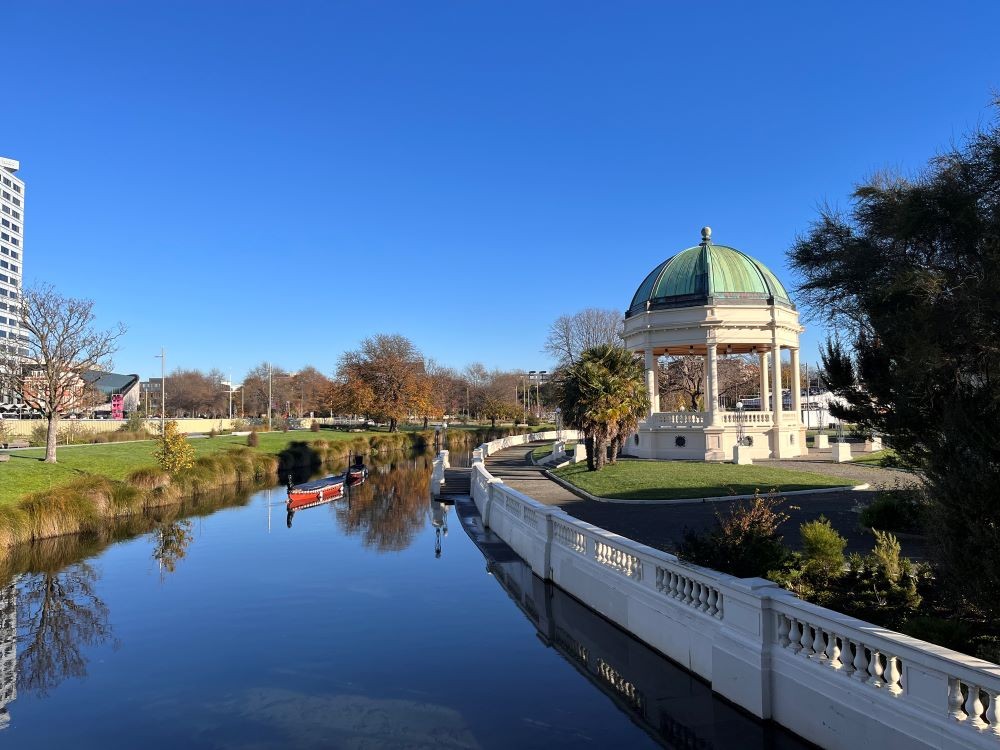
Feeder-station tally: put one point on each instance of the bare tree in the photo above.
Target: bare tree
(46, 368)
(571, 335)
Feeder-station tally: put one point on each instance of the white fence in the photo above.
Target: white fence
(837, 681)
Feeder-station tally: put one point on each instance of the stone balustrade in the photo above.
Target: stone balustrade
(677, 419)
(750, 418)
(836, 681)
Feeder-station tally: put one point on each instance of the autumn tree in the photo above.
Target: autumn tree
(570, 335)
(309, 391)
(391, 369)
(60, 344)
(173, 452)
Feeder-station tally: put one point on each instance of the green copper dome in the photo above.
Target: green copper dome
(708, 273)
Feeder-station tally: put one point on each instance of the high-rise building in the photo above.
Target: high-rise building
(11, 261)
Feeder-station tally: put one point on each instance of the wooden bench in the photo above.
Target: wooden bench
(16, 444)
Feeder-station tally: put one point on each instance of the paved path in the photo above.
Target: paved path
(662, 526)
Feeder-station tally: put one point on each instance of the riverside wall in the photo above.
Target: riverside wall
(839, 682)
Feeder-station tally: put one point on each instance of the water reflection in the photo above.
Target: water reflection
(59, 615)
(8, 651)
(171, 542)
(388, 509)
(439, 520)
(672, 705)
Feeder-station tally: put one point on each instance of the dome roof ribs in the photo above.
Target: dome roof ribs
(705, 274)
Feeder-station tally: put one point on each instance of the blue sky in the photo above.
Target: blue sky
(241, 181)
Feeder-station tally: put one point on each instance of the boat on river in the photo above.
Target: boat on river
(326, 489)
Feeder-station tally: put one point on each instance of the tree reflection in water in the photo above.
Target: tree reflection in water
(388, 509)
(59, 615)
(58, 612)
(171, 544)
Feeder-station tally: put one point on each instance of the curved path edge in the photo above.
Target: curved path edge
(682, 500)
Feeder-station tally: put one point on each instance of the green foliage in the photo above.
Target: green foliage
(822, 549)
(173, 452)
(898, 509)
(910, 276)
(604, 395)
(134, 424)
(745, 542)
(882, 587)
(253, 439)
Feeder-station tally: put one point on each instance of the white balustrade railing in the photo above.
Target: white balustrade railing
(835, 680)
(677, 419)
(750, 418)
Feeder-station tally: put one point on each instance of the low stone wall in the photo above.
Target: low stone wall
(23, 427)
(834, 680)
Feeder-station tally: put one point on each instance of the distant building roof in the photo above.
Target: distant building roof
(110, 383)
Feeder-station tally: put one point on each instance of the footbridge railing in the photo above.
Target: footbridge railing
(837, 681)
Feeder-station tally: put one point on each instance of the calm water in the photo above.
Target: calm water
(374, 622)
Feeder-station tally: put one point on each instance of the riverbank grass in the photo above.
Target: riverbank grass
(677, 480)
(26, 472)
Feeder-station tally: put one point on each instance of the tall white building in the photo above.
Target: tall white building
(11, 258)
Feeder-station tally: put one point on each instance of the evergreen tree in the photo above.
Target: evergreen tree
(911, 278)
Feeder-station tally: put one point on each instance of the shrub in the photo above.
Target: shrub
(532, 421)
(173, 451)
(744, 543)
(822, 548)
(253, 440)
(314, 427)
(135, 423)
(213, 433)
(39, 433)
(896, 509)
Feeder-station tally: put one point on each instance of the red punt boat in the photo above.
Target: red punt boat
(316, 492)
(325, 490)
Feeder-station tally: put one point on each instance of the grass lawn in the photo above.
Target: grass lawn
(675, 480)
(26, 472)
(885, 457)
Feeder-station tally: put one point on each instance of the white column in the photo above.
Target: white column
(765, 385)
(713, 384)
(796, 385)
(651, 384)
(776, 372)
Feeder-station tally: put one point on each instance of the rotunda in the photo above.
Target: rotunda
(710, 301)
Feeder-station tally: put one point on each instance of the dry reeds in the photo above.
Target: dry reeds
(95, 504)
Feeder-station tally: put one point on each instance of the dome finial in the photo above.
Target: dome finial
(706, 235)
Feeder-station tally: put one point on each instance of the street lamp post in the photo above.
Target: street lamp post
(269, 405)
(162, 356)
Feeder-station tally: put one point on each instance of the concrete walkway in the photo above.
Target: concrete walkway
(662, 526)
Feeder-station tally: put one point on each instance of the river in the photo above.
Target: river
(372, 622)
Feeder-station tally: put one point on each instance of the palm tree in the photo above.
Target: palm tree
(603, 395)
